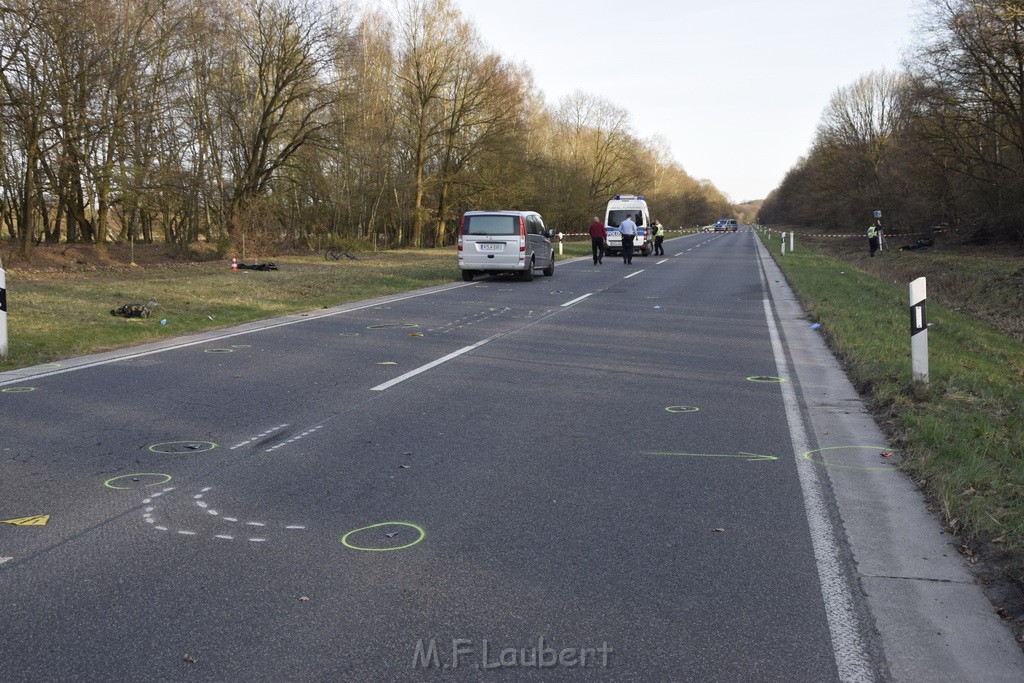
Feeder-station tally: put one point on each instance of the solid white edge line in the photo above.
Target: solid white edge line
(255, 325)
(850, 655)
(576, 300)
(428, 366)
(633, 274)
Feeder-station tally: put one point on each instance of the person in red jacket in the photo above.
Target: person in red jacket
(597, 239)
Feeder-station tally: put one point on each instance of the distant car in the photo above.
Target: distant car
(725, 225)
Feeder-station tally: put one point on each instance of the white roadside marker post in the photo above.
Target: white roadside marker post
(783, 240)
(919, 330)
(790, 241)
(3, 313)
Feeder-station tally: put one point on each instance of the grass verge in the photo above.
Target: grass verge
(962, 434)
(57, 313)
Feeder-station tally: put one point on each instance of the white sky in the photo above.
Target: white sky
(736, 87)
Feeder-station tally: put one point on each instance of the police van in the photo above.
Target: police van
(631, 206)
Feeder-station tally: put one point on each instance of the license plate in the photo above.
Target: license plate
(491, 247)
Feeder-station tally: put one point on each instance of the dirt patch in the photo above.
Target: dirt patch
(84, 257)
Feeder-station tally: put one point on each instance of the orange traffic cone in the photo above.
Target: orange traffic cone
(234, 263)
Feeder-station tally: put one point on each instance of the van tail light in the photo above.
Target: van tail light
(462, 231)
(522, 234)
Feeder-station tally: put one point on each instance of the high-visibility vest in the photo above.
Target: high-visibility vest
(659, 230)
(872, 233)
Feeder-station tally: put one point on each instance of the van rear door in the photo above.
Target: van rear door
(491, 241)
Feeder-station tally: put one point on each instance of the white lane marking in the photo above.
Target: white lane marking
(576, 300)
(5, 559)
(208, 488)
(150, 509)
(147, 501)
(150, 520)
(681, 253)
(432, 364)
(198, 496)
(661, 261)
(295, 527)
(850, 655)
(255, 524)
(258, 540)
(161, 528)
(230, 519)
(201, 504)
(213, 512)
(633, 274)
(186, 533)
(225, 537)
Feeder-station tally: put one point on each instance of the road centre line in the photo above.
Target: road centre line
(848, 649)
(633, 274)
(432, 364)
(576, 300)
(661, 261)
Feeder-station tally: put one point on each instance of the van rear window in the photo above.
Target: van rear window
(491, 225)
(616, 216)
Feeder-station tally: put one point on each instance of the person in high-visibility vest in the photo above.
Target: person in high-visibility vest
(659, 237)
(873, 231)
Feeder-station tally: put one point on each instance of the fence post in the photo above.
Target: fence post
(919, 330)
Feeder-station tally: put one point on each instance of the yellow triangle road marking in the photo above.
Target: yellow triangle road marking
(35, 520)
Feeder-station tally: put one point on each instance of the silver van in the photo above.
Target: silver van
(505, 242)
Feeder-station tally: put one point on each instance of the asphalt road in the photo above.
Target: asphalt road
(587, 476)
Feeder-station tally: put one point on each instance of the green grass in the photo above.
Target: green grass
(962, 435)
(54, 315)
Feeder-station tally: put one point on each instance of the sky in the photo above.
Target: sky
(735, 87)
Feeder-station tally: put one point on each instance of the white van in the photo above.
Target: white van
(504, 242)
(621, 206)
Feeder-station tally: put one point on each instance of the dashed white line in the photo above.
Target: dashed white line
(255, 524)
(258, 540)
(186, 533)
(432, 364)
(5, 559)
(201, 504)
(161, 528)
(230, 519)
(213, 512)
(225, 537)
(660, 262)
(633, 274)
(576, 300)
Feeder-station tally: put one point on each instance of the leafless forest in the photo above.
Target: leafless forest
(940, 143)
(290, 122)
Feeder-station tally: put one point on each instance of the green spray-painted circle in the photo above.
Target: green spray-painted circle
(809, 455)
(179, 447)
(682, 409)
(767, 379)
(110, 485)
(417, 527)
(18, 390)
